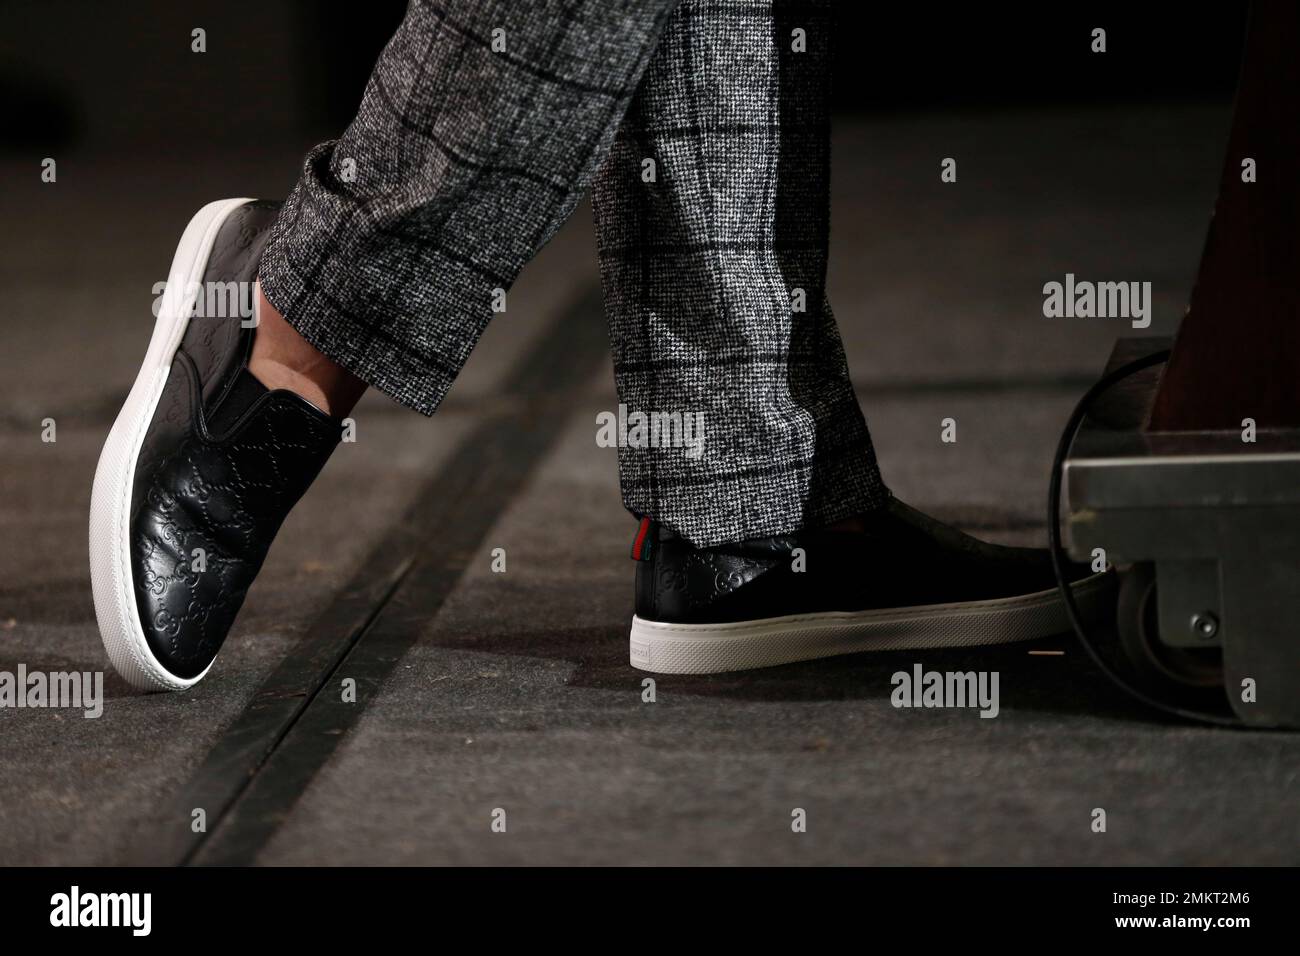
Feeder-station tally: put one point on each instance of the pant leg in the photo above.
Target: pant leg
(479, 130)
(700, 268)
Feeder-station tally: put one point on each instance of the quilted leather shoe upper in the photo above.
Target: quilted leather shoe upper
(223, 462)
(903, 558)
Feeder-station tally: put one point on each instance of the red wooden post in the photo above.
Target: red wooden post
(1237, 354)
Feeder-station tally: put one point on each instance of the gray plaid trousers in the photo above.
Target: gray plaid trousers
(704, 135)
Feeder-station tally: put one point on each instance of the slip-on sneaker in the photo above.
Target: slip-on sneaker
(906, 581)
(202, 465)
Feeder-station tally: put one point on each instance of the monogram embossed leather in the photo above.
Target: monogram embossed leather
(902, 559)
(222, 463)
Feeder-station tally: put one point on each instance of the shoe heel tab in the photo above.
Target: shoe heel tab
(643, 543)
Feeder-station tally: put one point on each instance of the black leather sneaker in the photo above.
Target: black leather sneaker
(201, 467)
(906, 581)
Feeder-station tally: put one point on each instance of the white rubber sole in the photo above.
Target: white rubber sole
(110, 501)
(717, 648)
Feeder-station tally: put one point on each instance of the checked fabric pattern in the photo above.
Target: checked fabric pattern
(484, 123)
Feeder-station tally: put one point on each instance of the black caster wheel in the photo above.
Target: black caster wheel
(1164, 670)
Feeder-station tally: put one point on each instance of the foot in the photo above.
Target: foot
(201, 467)
(892, 580)
(281, 358)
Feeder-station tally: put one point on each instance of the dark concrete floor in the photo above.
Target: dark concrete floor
(516, 694)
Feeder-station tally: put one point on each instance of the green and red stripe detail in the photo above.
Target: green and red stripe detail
(641, 546)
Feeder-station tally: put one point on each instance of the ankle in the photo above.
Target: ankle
(274, 374)
(282, 358)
